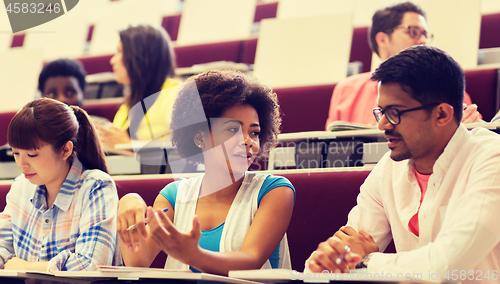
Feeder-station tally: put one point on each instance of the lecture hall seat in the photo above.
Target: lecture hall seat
(360, 49)
(249, 49)
(106, 110)
(483, 88)
(18, 40)
(5, 118)
(304, 108)
(489, 35)
(186, 56)
(265, 11)
(96, 64)
(171, 25)
(189, 55)
(4, 189)
(262, 11)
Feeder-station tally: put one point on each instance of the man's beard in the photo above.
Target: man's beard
(401, 156)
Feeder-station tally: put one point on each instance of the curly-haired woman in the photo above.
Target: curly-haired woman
(228, 218)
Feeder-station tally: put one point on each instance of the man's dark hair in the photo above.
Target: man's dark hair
(386, 19)
(427, 74)
(64, 68)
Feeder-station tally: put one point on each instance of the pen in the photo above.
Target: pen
(131, 227)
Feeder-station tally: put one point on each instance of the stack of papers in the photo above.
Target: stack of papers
(136, 273)
(345, 125)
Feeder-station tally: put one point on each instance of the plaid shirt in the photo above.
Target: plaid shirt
(77, 233)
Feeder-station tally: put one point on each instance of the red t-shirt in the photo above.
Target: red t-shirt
(422, 182)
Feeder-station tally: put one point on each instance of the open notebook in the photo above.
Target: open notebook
(345, 125)
(285, 276)
(122, 273)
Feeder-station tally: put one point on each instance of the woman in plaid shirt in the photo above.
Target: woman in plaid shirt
(61, 212)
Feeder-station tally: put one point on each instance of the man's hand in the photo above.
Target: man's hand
(360, 242)
(332, 255)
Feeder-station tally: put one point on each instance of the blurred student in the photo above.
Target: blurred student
(393, 29)
(61, 212)
(63, 80)
(228, 218)
(145, 64)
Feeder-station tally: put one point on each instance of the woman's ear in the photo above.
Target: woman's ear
(198, 140)
(67, 150)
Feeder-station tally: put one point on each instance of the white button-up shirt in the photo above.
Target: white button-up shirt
(459, 218)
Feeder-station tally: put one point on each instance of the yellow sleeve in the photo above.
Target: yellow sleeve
(121, 118)
(157, 121)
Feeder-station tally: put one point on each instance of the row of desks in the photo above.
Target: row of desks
(302, 150)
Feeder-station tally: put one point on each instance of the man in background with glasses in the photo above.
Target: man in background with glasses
(436, 193)
(393, 29)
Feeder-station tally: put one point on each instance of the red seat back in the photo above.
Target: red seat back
(304, 108)
(106, 110)
(360, 49)
(489, 35)
(482, 86)
(5, 118)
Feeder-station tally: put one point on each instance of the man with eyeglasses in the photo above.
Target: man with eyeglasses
(393, 29)
(436, 193)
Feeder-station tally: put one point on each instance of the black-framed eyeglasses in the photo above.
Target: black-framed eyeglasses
(394, 116)
(415, 32)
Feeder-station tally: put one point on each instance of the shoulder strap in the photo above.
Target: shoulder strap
(185, 208)
(240, 217)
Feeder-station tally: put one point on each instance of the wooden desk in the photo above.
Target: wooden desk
(121, 275)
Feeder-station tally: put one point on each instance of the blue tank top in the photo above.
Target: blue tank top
(210, 240)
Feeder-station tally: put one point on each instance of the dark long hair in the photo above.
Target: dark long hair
(49, 121)
(149, 59)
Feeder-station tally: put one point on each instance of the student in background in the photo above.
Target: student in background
(228, 218)
(63, 80)
(436, 193)
(61, 212)
(145, 64)
(393, 29)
